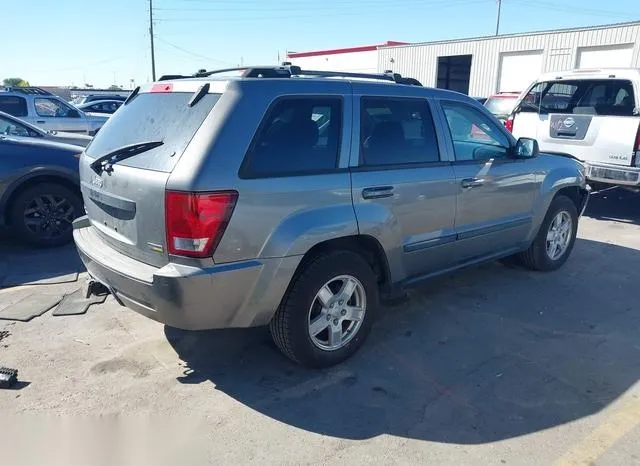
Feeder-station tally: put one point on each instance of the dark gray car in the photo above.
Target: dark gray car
(39, 189)
(295, 200)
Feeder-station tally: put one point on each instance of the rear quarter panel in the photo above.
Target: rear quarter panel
(274, 216)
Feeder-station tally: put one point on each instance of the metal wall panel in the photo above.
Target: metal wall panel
(559, 49)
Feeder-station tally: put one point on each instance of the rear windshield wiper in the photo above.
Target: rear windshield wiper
(105, 163)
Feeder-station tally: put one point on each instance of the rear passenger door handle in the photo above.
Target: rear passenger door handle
(472, 182)
(377, 192)
(40, 121)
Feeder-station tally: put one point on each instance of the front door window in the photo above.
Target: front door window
(48, 107)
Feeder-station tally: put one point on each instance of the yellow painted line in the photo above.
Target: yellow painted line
(623, 420)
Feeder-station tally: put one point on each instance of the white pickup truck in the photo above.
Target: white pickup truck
(592, 115)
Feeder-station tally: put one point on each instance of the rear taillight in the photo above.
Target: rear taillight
(195, 222)
(509, 123)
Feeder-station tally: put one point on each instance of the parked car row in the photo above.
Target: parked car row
(45, 110)
(17, 128)
(39, 183)
(85, 99)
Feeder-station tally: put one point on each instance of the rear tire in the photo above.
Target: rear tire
(313, 325)
(42, 215)
(559, 228)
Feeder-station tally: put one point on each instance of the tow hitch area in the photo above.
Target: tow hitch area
(78, 302)
(96, 288)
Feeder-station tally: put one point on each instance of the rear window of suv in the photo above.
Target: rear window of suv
(610, 97)
(165, 117)
(13, 105)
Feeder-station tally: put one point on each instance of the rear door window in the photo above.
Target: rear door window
(297, 136)
(612, 97)
(14, 105)
(396, 131)
(165, 117)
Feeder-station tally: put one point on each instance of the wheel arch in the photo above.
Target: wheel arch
(577, 194)
(365, 245)
(33, 179)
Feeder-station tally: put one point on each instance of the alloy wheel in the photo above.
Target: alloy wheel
(559, 235)
(337, 312)
(49, 216)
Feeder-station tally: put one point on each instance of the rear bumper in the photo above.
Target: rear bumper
(613, 174)
(240, 294)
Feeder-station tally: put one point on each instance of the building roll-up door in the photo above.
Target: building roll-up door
(612, 56)
(518, 70)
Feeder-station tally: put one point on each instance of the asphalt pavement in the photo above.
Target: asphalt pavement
(493, 365)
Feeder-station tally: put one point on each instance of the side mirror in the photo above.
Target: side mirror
(73, 113)
(526, 148)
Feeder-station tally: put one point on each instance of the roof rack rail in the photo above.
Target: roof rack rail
(287, 70)
(284, 71)
(28, 90)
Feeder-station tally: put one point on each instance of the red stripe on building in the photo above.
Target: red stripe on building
(365, 48)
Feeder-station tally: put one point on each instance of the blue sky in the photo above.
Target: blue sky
(100, 42)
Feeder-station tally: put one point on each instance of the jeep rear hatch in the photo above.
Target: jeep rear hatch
(133, 155)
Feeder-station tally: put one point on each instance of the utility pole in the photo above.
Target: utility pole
(153, 55)
(498, 20)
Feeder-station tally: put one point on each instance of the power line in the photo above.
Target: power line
(284, 5)
(177, 47)
(313, 13)
(579, 11)
(296, 6)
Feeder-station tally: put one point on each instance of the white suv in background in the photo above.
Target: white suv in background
(592, 115)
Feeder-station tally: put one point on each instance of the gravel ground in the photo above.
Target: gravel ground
(494, 365)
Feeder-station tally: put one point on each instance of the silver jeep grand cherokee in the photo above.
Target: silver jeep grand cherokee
(297, 199)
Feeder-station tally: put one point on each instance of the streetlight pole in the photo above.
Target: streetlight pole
(153, 56)
(497, 21)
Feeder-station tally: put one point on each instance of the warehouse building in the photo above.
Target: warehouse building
(484, 65)
(353, 59)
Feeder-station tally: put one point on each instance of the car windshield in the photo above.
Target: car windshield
(500, 106)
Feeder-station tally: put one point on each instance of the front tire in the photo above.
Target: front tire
(327, 313)
(42, 215)
(554, 242)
